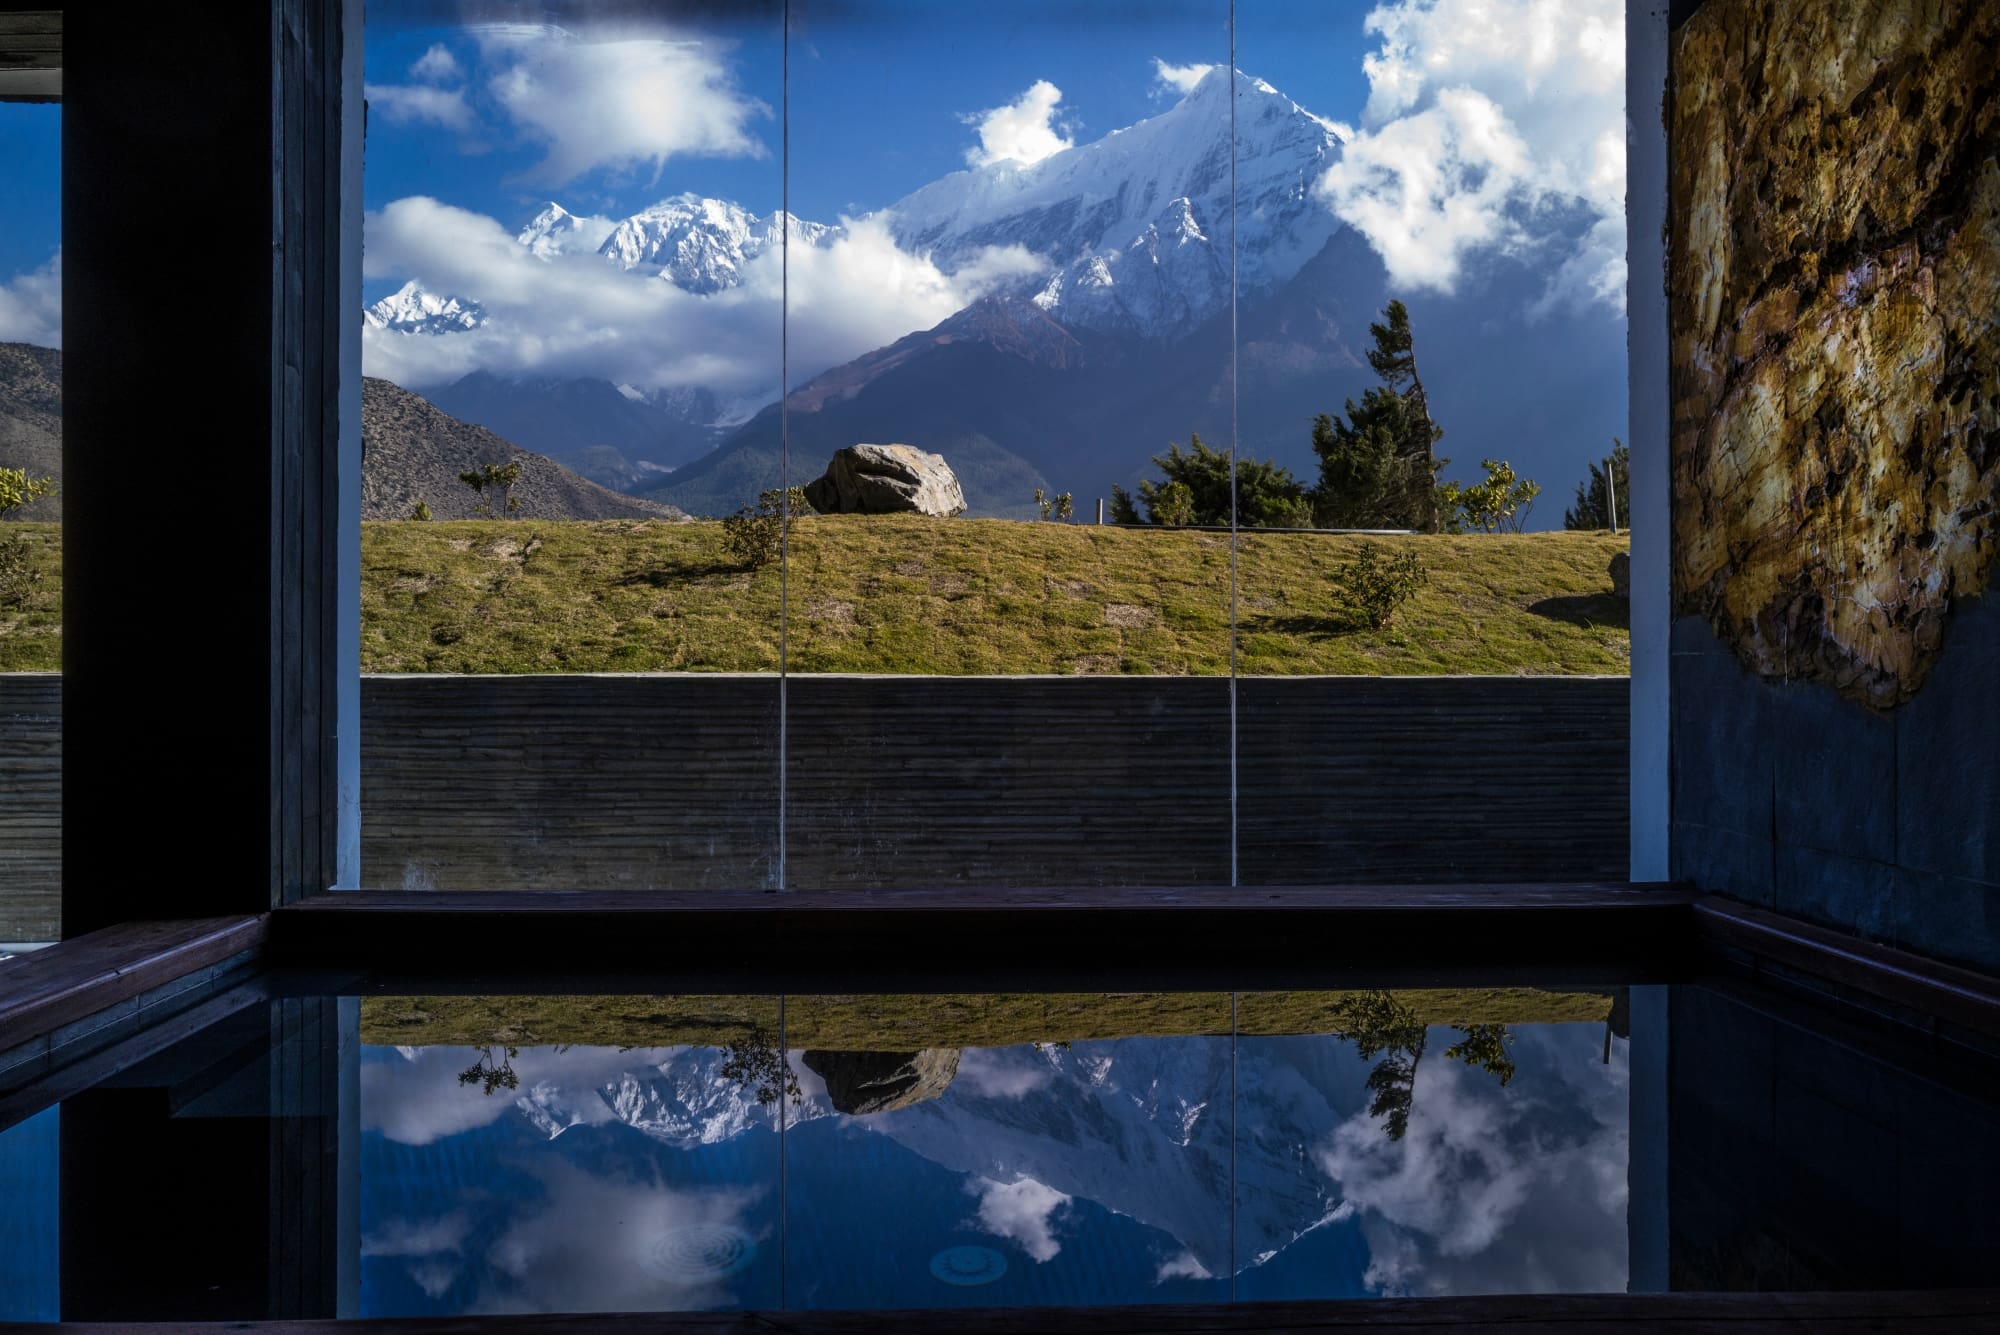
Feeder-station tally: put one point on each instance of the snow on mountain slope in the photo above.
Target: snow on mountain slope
(702, 245)
(1136, 227)
(676, 1095)
(412, 309)
(1142, 1126)
(1138, 223)
(556, 231)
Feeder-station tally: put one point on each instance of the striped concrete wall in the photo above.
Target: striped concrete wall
(673, 782)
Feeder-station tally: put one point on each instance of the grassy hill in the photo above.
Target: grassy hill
(881, 594)
(31, 421)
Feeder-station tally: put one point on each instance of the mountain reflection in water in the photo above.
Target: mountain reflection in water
(549, 1154)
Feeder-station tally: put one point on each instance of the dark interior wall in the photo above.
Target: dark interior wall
(1834, 276)
(196, 173)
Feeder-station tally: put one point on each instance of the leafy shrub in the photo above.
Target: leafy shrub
(500, 479)
(1500, 504)
(18, 489)
(754, 535)
(420, 511)
(1060, 506)
(19, 575)
(1376, 586)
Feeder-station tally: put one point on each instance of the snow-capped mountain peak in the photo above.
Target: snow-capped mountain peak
(556, 231)
(413, 309)
(1107, 213)
(702, 244)
(1140, 230)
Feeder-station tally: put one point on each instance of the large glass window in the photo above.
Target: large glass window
(574, 276)
(818, 446)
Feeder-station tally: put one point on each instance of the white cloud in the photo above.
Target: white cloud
(31, 306)
(1001, 1073)
(1179, 78)
(416, 104)
(1183, 1266)
(595, 1244)
(1491, 125)
(620, 104)
(575, 314)
(1493, 1189)
(1023, 1212)
(423, 1237)
(418, 1100)
(436, 65)
(1021, 131)
(434, 1277)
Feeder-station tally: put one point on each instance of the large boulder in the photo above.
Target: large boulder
(1621, 575)
(887, 480)
(867, 1082)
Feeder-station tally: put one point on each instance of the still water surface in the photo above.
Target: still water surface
(403, 1155)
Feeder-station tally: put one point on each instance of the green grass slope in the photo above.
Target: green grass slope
(899, 1023)
(964, 596)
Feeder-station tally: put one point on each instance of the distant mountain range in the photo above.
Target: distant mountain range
(411, 450)
(1123, 338)
(31, 420)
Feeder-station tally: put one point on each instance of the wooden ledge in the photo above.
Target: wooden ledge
(955, 900)
(1927, 987)
(976, 938)
(1551, 1314)
(74, 979)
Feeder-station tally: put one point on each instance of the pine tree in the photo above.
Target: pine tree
(1195, 490)
(1592, 509)
(1377, 468)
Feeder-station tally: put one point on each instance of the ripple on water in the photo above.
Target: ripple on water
(966, 1266)
(701, 1252)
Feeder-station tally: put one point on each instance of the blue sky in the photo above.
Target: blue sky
(880, 95)
(31, 215)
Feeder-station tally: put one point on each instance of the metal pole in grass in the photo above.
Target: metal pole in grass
(1611, 490)
(1100, 509)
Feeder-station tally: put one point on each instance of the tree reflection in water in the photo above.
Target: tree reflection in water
(1376, 1022)
(490, 1072)
(756, 1061)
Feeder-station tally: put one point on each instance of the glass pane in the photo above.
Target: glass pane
(975, 1151)
(569, 1154)
(1024, 293)
(31, 416)
(574, 262)
(1430, 1142)
(1413, 704)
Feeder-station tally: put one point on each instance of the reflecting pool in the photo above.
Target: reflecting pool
(403, 1155)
